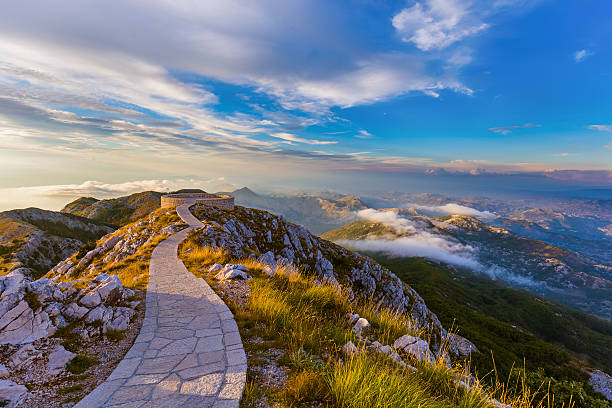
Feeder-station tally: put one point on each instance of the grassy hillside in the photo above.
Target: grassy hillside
(122, 210)
(117, 211)
(47, 236)
(512, 325)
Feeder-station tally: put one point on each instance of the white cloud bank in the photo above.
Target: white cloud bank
(453, 209)
(415, 241)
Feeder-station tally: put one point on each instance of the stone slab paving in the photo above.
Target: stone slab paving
(188, 352)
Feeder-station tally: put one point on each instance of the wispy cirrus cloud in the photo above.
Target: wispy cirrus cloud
(290, 138)
(504, 130)
(601, 128)
(580, 55)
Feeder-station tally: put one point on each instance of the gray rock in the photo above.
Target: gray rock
(101, 277)
(415, 346)
(214, 268)
(110, 289)
(460, 346)
(13, 314)
(100, 314)
(268, 259)
(22, 357)
(65, 285)
(121, 319)
(12, 392)
(25, 326)
(361, 326)
(225, 274)
(350, 349)
(60, 321)
(268, 270)
(127, 293)
(58, 359)
(4, 372)
(74, 311)
(602, 383)
(91, 299)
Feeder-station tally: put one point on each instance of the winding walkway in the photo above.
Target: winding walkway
(188, 352)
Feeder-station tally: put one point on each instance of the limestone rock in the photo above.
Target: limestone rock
(415, 346)
(91, 299)
(214, 268)
(110, 289)
(4, 372)
(21, 325)
(100, 314)
(460, 346)
(231, 271)
(121, 319)
(12, 392)
(267, 259)
(58, 359)
(74, 311)
(350, 349)
(361, 326)
(602, 383)
(22, 357)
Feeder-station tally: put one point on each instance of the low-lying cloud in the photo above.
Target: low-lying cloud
(414, 240)
(453, 209)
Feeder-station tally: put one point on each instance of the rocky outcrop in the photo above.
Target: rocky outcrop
(602, 383)
(11, 393)
(116, 247)
(30, 311)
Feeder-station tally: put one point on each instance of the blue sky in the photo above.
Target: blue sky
(106, 98)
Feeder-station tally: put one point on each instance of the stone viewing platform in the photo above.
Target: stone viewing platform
(223, 201)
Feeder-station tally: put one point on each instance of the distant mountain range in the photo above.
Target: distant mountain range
(562, 248)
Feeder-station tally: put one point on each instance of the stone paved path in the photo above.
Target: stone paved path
(188, 352)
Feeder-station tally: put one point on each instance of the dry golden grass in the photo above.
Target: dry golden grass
(310, 320)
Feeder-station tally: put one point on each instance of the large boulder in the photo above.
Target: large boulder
(415, 346)
(100, 314)
(12, 393)
(110, 289)
(91, 299)
(121, 319)
(58, 359)
(22, 325)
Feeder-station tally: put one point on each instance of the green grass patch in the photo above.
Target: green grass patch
(81, 363)
(70, 389)
(114, 335)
